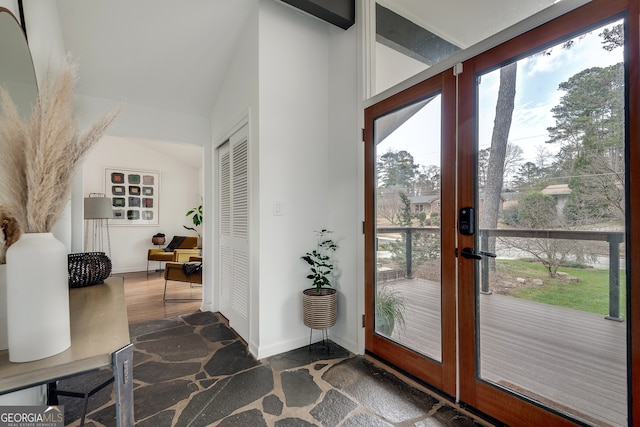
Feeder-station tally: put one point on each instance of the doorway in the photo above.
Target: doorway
(497, 216)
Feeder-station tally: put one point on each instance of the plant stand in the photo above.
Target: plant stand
(320, 309)
(325, 338)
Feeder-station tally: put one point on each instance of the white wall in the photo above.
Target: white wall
(392, 67)
(294, 160)
(12, 6)
(180, 190)
(45, 35)
(345, 198)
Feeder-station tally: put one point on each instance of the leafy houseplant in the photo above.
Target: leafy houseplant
(320, 303)
(390, 310)
(196, 218)
(320, 261)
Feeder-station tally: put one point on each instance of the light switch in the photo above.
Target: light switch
(277, 208)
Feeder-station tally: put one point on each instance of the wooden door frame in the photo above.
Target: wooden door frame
(480, 395)
(439, 375)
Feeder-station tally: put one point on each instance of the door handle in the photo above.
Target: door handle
(468, 253)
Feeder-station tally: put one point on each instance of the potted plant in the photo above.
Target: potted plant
(390, 310)
(196, 218)
(320, 303)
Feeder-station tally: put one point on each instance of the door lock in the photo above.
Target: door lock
(467, 219)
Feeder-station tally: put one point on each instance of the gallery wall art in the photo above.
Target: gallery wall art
(134, 196)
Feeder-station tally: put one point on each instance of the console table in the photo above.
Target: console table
(99, 338)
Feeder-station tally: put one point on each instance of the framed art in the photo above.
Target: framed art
(134, 196)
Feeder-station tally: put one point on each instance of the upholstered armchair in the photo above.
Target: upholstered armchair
(190, 272)
(178, 250)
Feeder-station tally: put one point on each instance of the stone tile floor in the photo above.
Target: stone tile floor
(195, 371)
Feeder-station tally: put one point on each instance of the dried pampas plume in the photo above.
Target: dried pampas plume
(39, 156)
(10, 232)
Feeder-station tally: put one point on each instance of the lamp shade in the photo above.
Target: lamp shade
(98, 208)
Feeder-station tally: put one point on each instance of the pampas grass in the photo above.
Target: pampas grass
(39, 156)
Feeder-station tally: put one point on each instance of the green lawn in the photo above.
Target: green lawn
(591, 293)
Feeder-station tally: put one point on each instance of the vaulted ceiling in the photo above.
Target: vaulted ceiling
(173, 55)
(161, 53)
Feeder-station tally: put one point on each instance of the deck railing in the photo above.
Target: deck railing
(614, 238)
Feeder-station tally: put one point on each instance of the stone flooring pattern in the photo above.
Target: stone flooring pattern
(195, 371)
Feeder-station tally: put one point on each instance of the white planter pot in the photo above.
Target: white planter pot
(37, 298)
(4, 338)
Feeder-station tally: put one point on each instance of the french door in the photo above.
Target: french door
(498, 218)
(413, 126)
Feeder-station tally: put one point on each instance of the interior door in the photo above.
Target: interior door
(233, 231)
(410, 222)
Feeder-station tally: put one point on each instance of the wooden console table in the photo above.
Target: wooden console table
(99, 338)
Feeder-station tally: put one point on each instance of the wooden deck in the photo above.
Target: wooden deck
(569, 359)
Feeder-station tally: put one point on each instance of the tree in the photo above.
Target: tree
(536, 210)
(483, 166)
(405, 218)
(512, 158)
(527, 174)
(590, 128)
(499, 139)
(397, 169)
(612, 38)
(424, 246)
(389, 205)
(543, 156)
(428, 180)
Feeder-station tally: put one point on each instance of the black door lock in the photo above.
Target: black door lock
(467, 220)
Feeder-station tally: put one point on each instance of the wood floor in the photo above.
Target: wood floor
(144, 297)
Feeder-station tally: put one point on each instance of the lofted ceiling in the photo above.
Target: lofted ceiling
(160, 53)
(173, 55)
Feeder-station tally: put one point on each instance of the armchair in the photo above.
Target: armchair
(179, 272)
(179, 250)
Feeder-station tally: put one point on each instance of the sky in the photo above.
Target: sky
(537, 92)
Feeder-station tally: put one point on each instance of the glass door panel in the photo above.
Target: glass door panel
(550, 195)
(408, 256)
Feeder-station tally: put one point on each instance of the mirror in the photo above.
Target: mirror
(17, 73)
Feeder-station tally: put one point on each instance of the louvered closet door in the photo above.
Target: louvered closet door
(234, 231)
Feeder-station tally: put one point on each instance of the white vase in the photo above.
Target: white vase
(37, 298)
(4, 339)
